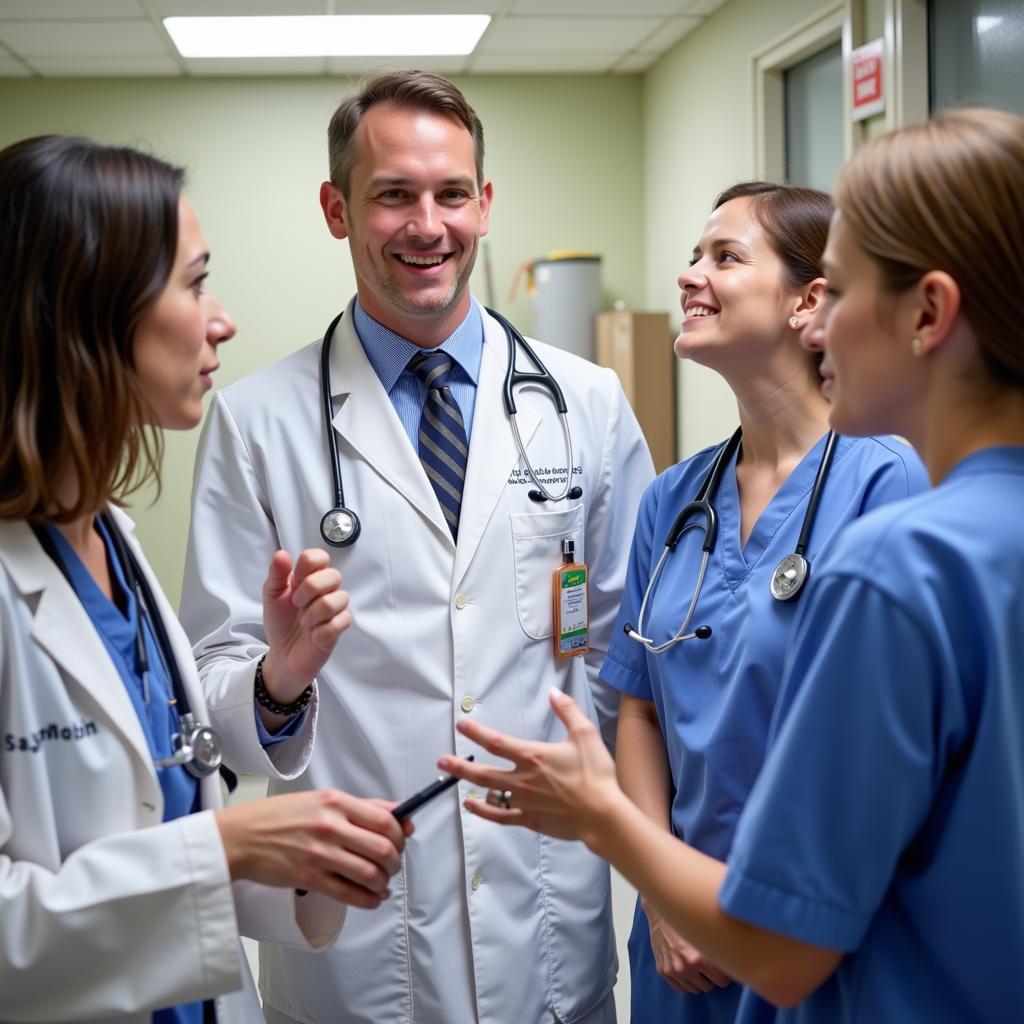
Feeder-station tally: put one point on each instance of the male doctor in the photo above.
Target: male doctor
(450, 577)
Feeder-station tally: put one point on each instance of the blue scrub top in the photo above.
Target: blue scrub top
(889, 819)
(715, 697)
(117, 630)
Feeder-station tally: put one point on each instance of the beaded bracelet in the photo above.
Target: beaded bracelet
(265, 700)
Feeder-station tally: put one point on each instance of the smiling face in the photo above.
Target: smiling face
(733, 296)
(175, 344)
(870, 374)
(414, 217)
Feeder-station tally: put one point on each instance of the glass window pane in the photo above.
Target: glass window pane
(814, 118)
(976, 53)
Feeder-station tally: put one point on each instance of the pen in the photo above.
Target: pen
(416, 801)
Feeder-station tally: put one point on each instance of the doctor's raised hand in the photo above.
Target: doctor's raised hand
(124, 882)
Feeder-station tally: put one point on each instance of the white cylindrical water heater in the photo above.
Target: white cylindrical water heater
(565, 293)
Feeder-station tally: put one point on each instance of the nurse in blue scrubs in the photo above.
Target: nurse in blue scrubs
(694, 717)
(875, 874)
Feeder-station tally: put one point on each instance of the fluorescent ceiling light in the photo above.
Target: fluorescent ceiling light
(344, 35)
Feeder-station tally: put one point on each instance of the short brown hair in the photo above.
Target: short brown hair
(948, 195)
(414, 90)
(88, 236)
(796, 221)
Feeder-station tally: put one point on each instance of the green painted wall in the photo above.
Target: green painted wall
(698, 116)
(565, 154)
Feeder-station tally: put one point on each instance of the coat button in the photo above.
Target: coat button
(474, 882)
(472, 795)
(467, 704)
(461, 601)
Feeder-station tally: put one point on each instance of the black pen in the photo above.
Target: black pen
(416, 801)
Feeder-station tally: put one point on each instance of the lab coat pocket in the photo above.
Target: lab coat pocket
(537, 549)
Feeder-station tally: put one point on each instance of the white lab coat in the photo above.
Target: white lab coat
(484, 923)
(106, 913)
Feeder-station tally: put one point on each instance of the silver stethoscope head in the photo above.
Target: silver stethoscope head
(789, 577)
(340, 527)
(196, 747)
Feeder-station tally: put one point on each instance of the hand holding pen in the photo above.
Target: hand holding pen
(407, 807)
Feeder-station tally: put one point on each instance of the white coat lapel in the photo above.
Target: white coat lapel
(493, 453)
(368, 423)
(63, 629)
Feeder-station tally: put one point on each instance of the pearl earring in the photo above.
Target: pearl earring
(917, 346)
(794, 322)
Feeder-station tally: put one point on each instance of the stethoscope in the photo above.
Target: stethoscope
(790, 574)
(340, 526)
(195, 747)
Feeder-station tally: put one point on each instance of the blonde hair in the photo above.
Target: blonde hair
(948, 195)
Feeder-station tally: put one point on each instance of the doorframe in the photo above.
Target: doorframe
(768, 66)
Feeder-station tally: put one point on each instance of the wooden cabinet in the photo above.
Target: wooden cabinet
(638, 347)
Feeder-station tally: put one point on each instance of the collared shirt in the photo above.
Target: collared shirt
(389, 354)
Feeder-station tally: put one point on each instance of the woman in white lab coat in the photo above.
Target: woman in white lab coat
(124, 884)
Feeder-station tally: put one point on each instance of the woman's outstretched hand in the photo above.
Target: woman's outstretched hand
(562, 789)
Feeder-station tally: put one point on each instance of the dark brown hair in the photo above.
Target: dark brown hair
(414, 90)
(796, 221)
(88, 236)
(948, 195)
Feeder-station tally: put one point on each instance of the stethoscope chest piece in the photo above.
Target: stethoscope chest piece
(789, 577)
(196, 747)
(340, 527)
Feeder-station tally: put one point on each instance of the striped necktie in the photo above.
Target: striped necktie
(442, 434)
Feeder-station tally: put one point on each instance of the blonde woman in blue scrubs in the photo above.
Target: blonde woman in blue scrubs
(875, 874)
(694, 718)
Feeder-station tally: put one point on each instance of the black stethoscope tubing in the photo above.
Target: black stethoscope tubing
(340, 527)
(790, 574)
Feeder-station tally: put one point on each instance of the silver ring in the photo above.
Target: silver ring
(500, 798)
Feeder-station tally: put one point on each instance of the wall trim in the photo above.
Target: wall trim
(767, 67)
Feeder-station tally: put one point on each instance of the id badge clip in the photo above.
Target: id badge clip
(569, 596)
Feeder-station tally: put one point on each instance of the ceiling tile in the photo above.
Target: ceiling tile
(670, 33)
(236, 8)
(255, 66)
(444, 64)
(417, 7)
(637, 61)
(543, 63)
(703, 7)
(567, 35)
(80, 10)
(12, 69)
(83, 38)
(597, 8)
(105, 67)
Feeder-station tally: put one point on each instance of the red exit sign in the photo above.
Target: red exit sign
(866, 70)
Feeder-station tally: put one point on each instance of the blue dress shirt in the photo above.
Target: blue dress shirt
(389, 355)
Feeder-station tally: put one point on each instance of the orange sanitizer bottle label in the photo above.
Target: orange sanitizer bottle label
(569, 593)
